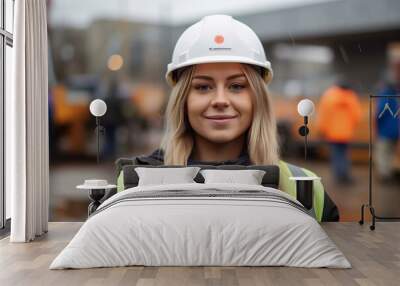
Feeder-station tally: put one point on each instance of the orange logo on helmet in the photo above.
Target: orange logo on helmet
(219, 39)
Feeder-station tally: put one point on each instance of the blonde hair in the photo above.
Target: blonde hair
(177, 142)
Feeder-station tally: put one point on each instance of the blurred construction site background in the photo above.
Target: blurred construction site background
(118, 51)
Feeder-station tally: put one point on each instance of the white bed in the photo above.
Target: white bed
(200, 224)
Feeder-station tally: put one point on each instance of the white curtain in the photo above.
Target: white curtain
(27, 159)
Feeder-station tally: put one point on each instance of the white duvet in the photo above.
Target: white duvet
(206, 230)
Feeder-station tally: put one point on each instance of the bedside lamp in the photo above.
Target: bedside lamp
(97, 188)
(305, 108)
(98, 108)
(304, 185)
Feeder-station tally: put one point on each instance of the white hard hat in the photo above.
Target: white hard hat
(218, 38)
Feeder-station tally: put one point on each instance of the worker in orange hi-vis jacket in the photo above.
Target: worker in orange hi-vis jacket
(339, 112)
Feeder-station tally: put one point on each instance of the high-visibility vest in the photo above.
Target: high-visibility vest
(324, 208)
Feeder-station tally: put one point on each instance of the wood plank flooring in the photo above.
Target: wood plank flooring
(374, 255)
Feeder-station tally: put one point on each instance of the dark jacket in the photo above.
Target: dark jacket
(157, 156)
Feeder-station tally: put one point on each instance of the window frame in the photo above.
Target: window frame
(6, 39)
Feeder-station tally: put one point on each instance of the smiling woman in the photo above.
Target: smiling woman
(220, 112)
(219, 106)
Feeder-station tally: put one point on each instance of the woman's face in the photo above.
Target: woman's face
(220, 102)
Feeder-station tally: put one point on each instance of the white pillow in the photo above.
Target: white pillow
(249, 177)
(162, 176)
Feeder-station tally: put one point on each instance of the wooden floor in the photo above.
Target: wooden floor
(374, 255)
